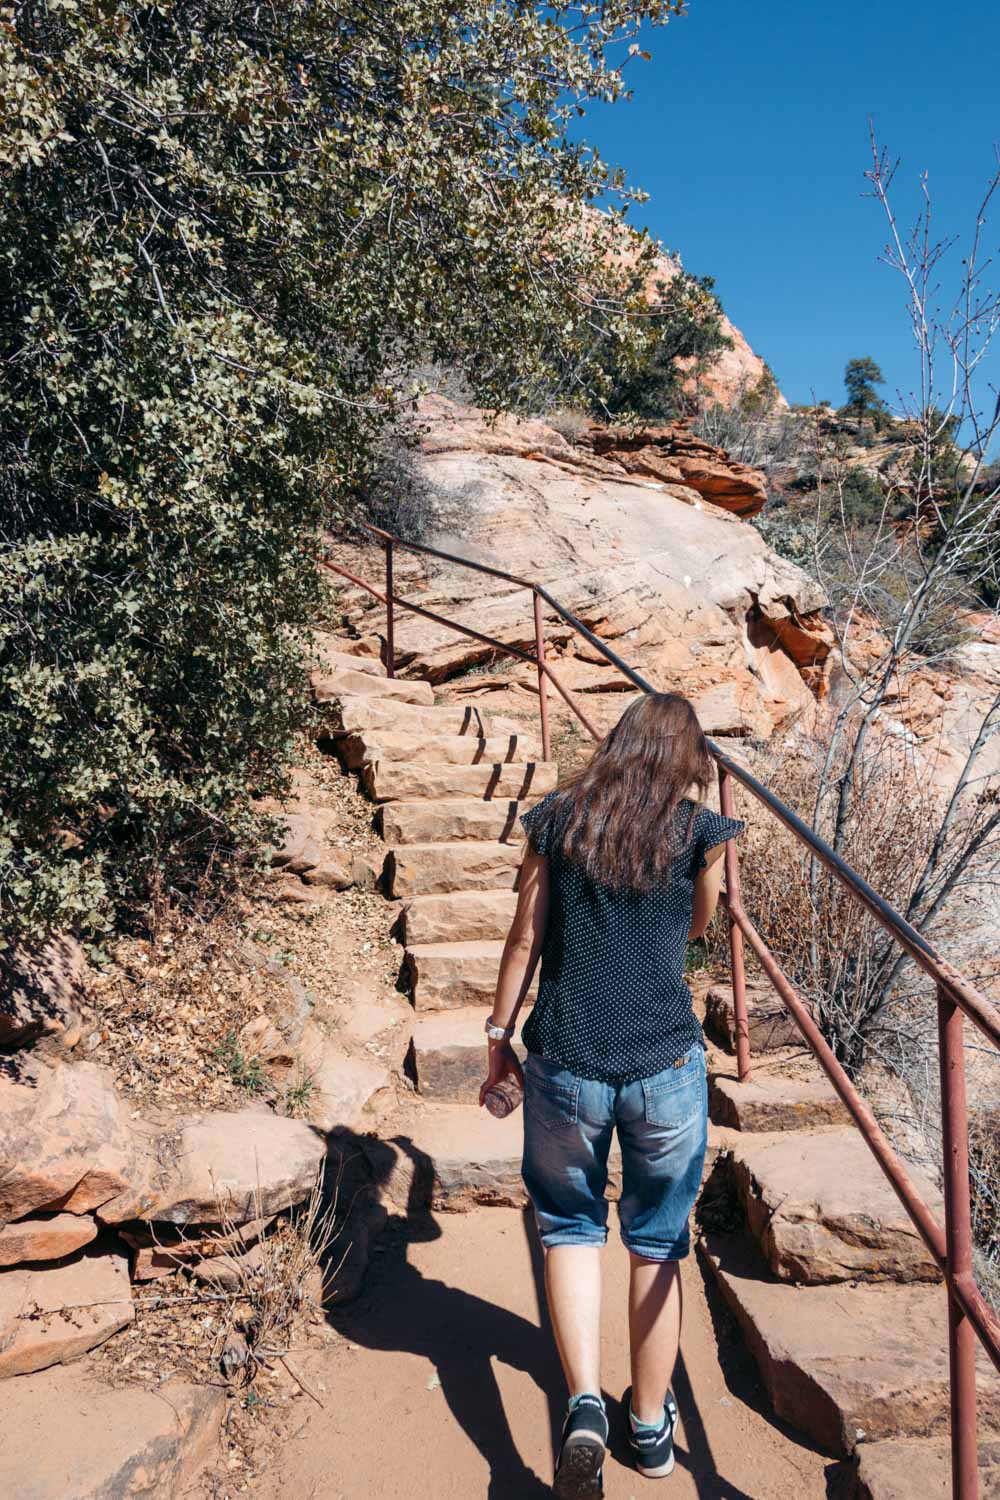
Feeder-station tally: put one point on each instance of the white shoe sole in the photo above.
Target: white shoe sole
(660, 1473)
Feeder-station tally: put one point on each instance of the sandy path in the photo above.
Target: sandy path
(441, 1380)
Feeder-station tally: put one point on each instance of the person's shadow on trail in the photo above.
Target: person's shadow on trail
(461, 1334)
(401, 1310)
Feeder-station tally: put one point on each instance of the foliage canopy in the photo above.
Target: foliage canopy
(225, 229)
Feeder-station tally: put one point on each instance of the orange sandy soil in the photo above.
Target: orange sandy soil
(442, 1380)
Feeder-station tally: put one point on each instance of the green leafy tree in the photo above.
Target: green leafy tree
(687, 324)
(861, 376)
(224, 231)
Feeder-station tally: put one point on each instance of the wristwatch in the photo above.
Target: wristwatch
(498, 1033)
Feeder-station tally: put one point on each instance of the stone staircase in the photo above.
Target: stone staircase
(837, 1298)
(451, 784)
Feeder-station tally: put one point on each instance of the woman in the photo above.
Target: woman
(621, 869)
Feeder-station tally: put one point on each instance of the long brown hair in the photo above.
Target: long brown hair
(619, 817)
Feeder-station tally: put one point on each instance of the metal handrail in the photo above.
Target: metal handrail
(969, 1315)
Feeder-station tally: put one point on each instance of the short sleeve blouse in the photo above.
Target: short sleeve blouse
(612, 1002)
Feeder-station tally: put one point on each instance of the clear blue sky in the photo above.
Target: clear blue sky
(749, 131)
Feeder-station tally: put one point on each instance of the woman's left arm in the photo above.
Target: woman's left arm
(518, 963)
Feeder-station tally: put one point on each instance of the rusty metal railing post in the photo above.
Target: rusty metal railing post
(958, 1238)
(736, 959)
(543, 702)
(390, 622)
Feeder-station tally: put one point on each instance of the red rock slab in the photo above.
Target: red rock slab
(49, 1238)
(466, 865)
(846, 1364)
(445, 975)
(821, 1209)
(426, 821)
(50, 1315)
(240, 1165)
(459, 916)
(888, 1470)
(67, 1434)
(771, 1026)
(65, 1138)
(773, 1101)
(390, 781)
(453, 1156)
(448, 1055)
(352, 683)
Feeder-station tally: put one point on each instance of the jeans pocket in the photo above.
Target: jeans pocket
(551, 1093)
(677, 1096)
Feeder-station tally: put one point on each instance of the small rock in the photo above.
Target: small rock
(53, 1314)
(50, 1238)
(65, 1140)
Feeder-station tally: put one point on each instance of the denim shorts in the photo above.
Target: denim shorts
(662, 1125)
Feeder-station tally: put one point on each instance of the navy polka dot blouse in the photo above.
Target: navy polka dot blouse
(612, 1002)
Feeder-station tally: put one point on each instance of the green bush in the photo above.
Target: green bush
(222, 229)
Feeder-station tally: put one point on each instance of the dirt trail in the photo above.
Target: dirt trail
(442, 1379)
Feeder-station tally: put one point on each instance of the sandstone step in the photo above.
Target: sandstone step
(846, 1366)
(772, 1101)
(390, 781)
(447, 1056)
(821, 1209)
(355, 682)
(396, 745)
(446, 975)
(69, 1435)
(771, 1026)
(458, 916)
(332, 660)
(453, 1156)
(356, 715)
(53, 1313)
(425, 869)
(888, 1470)
(424, 821)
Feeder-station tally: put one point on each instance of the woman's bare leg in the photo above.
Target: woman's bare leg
(654, 1323)
(573, 1288)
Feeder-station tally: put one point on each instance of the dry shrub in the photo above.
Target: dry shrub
(838, 956)
(984, 1175)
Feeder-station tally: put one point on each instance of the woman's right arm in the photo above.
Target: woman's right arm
(706, 891)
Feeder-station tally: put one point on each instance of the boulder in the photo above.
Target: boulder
(771, 1026)
(159, 1249)
(52, 1314)
(65, 1138)
(424, 869)
(220, 1167)
(821, 1209)
(70, 1436)
(428, 821)
(445, 975)
(42, 991)
(447, 1056)
(773, 1101)
(390, 781)
(847, 1367)
(50, 1237)
(671, 453)
(459, 916)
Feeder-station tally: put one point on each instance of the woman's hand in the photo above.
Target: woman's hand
(503, 1064)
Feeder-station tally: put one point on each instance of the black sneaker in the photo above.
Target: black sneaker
(579, 1472)
(653, 1451)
